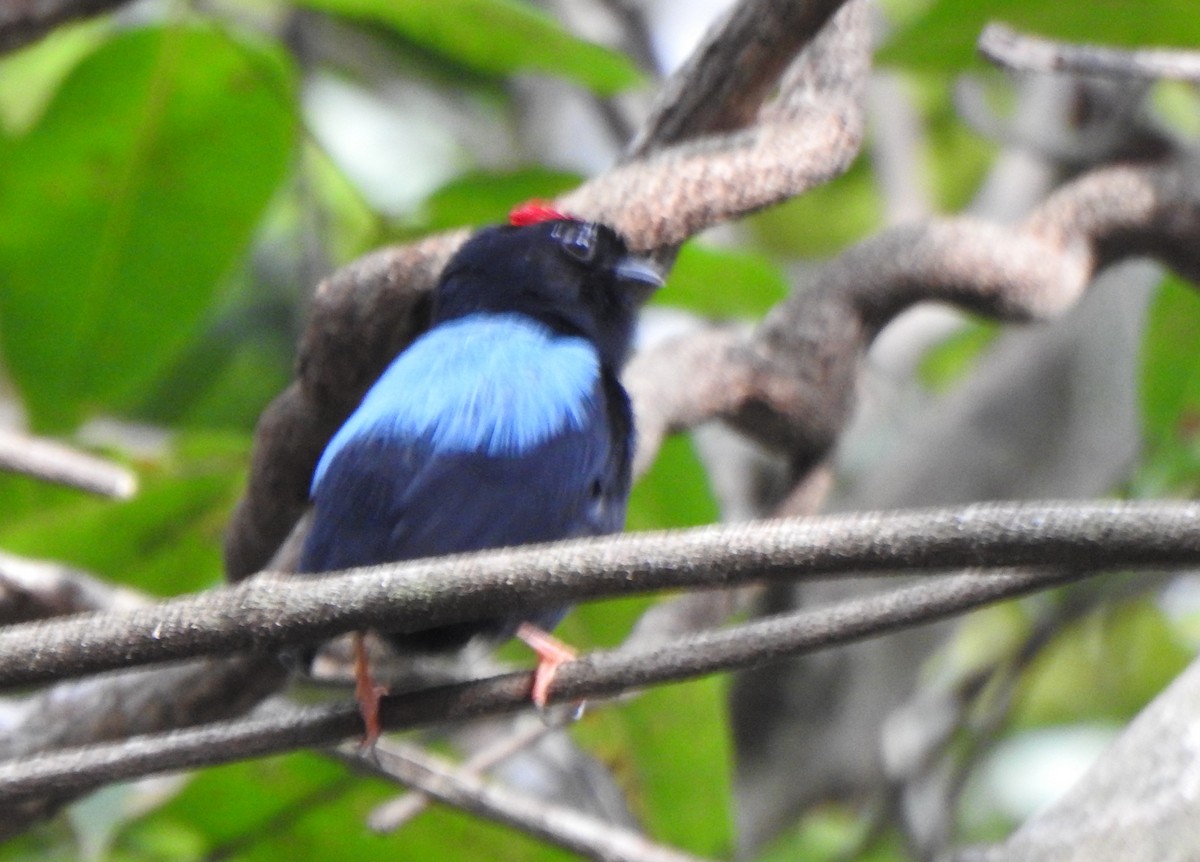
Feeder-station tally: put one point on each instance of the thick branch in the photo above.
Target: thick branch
(259, 616)
(597, 675)
(730, 74)
(791, 383)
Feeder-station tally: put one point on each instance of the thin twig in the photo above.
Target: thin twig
(1023, 53)
(394, 813)
(596, 675)
(55, 462)
(557, 824)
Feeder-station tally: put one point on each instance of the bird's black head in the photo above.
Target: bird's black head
(576, 277)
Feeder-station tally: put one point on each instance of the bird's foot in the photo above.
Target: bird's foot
(368, 693)
(552, 653)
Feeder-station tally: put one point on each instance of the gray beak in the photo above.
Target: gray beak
(638, 274)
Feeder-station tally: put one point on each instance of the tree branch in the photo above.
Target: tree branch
(120, 706)
(557, 824)
(259, 616)
(53, 462)
(1019, 52)
(600, 674)
(25, 21)
(791, 383)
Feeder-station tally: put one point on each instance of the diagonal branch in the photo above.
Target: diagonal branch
(54, 462)
(1023, 53)
(23, 22)
(555, 823)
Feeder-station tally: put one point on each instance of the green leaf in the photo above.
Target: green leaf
(1170, 392)
(480, 198)
(166, 540)
(671, 751)
(949, 361)
(30, 77)
(723, 283)
(497, 37)
(306, 807)
(1108, 666)
(944, 37)
(674, 493)
(123, 208)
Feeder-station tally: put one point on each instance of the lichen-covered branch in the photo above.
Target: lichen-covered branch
(791, 382)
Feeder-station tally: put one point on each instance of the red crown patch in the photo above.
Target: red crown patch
(534, 212)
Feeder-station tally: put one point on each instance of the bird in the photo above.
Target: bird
(505, 423)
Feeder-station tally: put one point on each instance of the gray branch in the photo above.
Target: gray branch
(66, 772)
(1023, 53)
(270, 612)
(55, 462)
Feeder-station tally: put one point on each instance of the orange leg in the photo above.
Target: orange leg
(551, 654)
(367, 692)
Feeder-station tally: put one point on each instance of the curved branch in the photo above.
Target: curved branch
(791, 383)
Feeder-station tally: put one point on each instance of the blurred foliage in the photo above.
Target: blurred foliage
(1170, 392)
(495, 36)
(943, 38)
(833, 833)
(1105, 667)
(164, 214)
(482, 197)
(949, 362)
(150, 167)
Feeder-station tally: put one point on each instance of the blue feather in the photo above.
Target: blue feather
(534, 384)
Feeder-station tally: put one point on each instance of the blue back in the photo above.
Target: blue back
(489, 430)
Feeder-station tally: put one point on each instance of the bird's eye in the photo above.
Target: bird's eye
(578, 239)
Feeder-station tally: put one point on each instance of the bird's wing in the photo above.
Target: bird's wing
(384, 499)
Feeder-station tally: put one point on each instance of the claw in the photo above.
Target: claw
(368, 693)
(551, 652)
